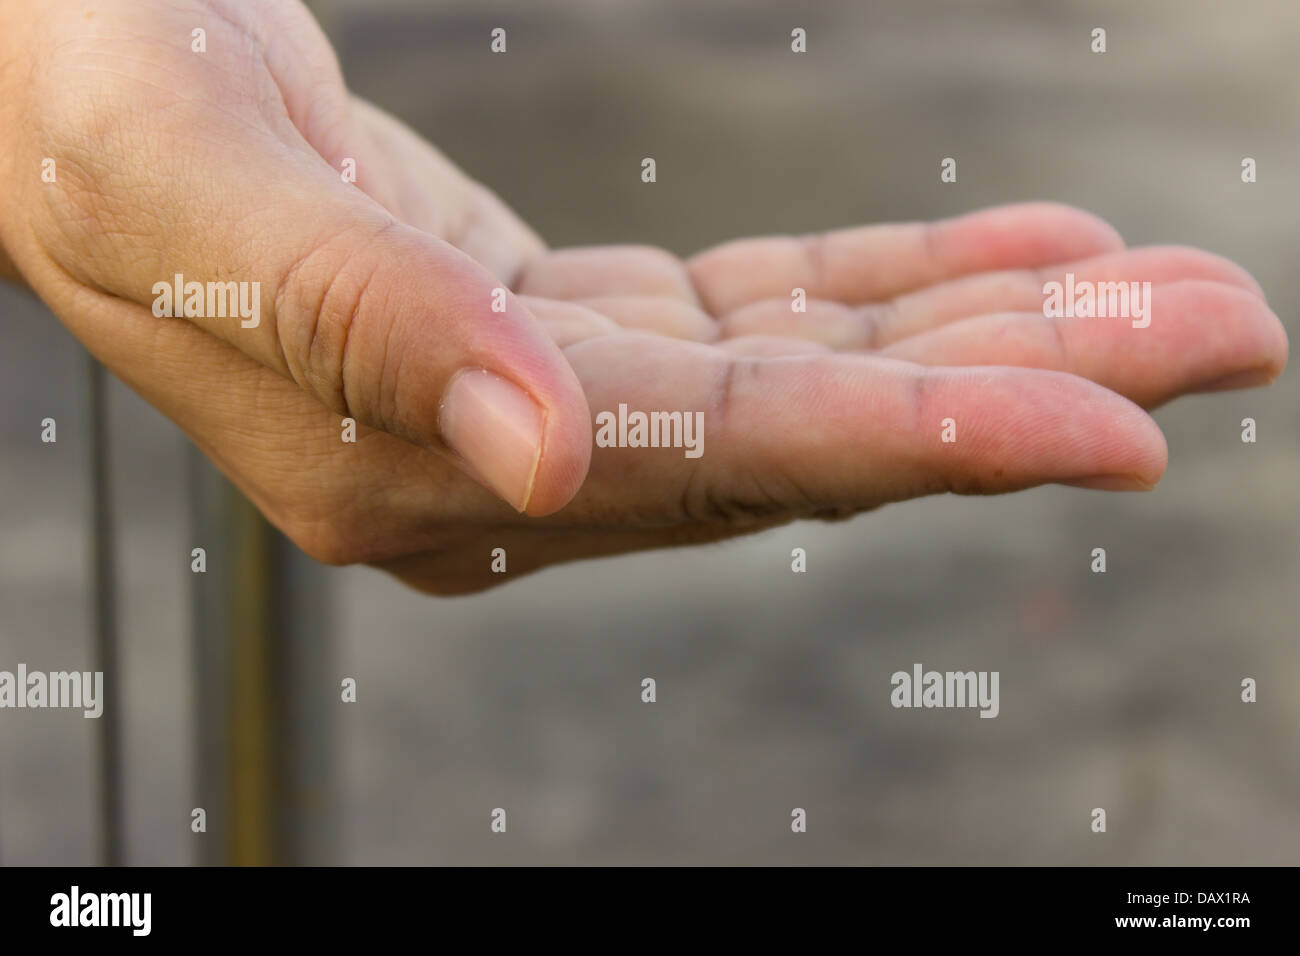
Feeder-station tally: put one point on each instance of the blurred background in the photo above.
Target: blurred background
(1119, 690)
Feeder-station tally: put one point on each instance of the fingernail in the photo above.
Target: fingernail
(1249, 378)
(1110, 483)
(497, 429)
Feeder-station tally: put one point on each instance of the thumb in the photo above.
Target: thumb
(381, 322)
(405, 333)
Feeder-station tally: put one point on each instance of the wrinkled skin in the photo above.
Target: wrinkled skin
(226, 165)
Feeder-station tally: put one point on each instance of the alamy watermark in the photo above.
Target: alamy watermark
(651, 430)
(130, 910)
(923, 688)
(80, 690)
(211, 300)
(1101, 300)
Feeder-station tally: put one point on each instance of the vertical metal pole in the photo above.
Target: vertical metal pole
(104, 610)
(261, 687)
(304, 717)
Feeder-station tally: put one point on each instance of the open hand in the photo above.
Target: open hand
(225, 165)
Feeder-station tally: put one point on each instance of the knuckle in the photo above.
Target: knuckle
(320, 304)
(738, 502)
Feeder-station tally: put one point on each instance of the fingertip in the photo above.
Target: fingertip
(533, 428)
(564, 456)
(564, 453)
(1110, 483)
(1017, 427)
(1092, 229)
(1130, 450)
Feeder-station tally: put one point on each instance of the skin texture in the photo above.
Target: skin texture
(225, 165)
